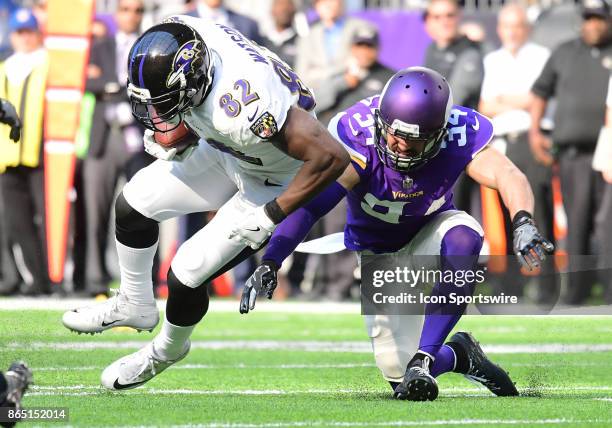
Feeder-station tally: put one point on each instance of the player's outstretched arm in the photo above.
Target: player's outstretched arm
(304, 138)
(494, 170)
(289, 234)
(301, 137)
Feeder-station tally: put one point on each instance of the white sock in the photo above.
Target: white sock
(169, 344)
(136, 265)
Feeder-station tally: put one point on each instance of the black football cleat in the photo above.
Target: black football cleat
(481, 369)
(418, 383)
(18, 377)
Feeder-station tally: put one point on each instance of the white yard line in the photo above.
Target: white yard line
(225, 366)
(435, 422)
(306, 346)
(95, 389)
(231, 306)
(305, 366)
(439, 422)
(216, 305)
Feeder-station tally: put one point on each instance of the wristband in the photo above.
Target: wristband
(271, 263)
(520, 217)
(274, 212)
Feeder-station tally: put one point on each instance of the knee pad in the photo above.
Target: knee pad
(186, 306)
(194, 267)
(132, 228)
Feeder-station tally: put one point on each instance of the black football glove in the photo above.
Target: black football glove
(263, 281)
(529, 245)
(8, 116)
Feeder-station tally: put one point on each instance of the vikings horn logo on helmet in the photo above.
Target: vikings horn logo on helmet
(185, 62)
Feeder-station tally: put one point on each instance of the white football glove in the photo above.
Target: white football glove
(254, 228)
(163, 153)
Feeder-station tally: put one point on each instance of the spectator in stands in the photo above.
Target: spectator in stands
(8, 271)
(24, 76)
(324, 52)
(509, 73)
(459, 60)
(451, 54)
(602, 163)
(215, 11)
(115, 137)
(39, 9)
(361, 77)
(6, 9)
(281, 37)
(577, 75)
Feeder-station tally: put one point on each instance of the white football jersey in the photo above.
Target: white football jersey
(251, 94)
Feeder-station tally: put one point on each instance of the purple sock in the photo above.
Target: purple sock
(459, 251)
(444, 362)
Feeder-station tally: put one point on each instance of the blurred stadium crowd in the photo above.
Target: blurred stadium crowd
(540, 70)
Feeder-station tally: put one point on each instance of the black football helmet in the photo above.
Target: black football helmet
(169, 71)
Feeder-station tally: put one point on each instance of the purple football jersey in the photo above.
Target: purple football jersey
(387, 208)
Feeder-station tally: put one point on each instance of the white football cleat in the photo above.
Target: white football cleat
(117, 311)
(136, 369)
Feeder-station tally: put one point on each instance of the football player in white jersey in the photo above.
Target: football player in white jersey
(259, 142)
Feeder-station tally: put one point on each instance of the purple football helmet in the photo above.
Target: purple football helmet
(414, 105)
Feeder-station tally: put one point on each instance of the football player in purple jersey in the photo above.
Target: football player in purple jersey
(408, 146)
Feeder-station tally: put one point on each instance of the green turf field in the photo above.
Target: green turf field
(294, 370)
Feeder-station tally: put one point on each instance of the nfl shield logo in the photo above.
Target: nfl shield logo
(407, 182)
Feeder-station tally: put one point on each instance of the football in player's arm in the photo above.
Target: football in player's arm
(407, 149)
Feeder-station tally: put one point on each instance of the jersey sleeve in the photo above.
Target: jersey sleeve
(480, 131)
(266, 115)
(354, 140)
(468, 133)
(252, 106)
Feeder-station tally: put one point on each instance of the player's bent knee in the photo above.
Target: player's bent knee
(187, 264)
(186, 306)
(461, 240)
(132, 228)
